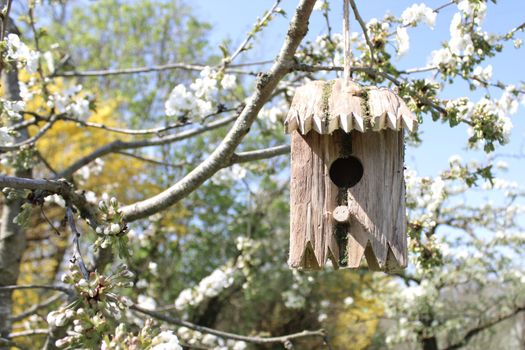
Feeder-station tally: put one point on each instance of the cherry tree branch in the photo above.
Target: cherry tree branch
(32, 139)
(364, 28)
(265, 85)
(33, 309)
(37, 286)
(476, 330)
(119, 145)
(251, 34)
(285, 339)
(150, 69)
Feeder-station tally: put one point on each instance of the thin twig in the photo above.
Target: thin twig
(5, 19)
(150, 69)
(119, 145)
(439, 8)
(153, 161)
(37, 286)
(77, 255)
(255, 340)
(251, 34)
(476, 330)
(33, 309)
(48, 221)
(33, 139)
(28, 333)
(364, 28)
(265, 153)
(156, 130)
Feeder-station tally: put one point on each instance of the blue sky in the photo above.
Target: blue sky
(233, 18)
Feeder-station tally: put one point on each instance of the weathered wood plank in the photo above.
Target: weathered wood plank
(313, 197)
(377, 202)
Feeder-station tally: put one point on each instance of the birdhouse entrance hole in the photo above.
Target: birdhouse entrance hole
(346, 172)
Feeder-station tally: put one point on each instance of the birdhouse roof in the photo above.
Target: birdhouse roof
(326, 106)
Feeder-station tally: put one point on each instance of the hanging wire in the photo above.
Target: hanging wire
(346, 41)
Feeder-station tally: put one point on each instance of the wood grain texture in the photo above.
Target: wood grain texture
(376, 204)
(313, 197)
(343, 109)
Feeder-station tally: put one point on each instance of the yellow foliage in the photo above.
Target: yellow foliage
(352, 325)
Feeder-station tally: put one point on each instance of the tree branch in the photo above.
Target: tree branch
(265, 153)
(251, 34)
(255, 340)
(33, 309)
(222, 154)
(37, 286)
(32, 139)
(363, 27)
(157, 130)
(150, 69)
(118, 145)
(474, 331)
(77, 255)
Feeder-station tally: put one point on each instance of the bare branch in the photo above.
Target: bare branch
(152, 161)
(37, 286)
(33, 309)
(222, 154)
(119, 145)
(255, 340)
(150, 69)
(157, 130)
(265, 153)
(28, 333)
(363, 27)
(251, 34)
(77, 255)
(32, 139)
(474, 331)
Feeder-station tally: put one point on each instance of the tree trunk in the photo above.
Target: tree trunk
(12, 236)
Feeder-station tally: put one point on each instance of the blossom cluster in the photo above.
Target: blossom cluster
(147, 338)
(295, 297)
(201, 97)
(20, 53)
(95, 308)
(209, 287)
(72, 102)
(112, 233)
(419, 13)
(193, 337)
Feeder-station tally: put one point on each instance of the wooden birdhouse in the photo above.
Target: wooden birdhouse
(347, 193)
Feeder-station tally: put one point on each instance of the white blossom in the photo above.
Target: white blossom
(180, 99)
(5, 138)
(146, 302)
(320, 5)
(21, 53)
(206, 85)
(440, 57)
(459, 41)
(166, 340)
(418, 13)
(348, 301)
(57, 199)
(239, 345)
(228, 82)
(484, 74)
(403, 41)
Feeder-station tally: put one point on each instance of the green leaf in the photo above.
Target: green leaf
(22, 219)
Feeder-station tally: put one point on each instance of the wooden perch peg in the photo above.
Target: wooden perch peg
(341, 214)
